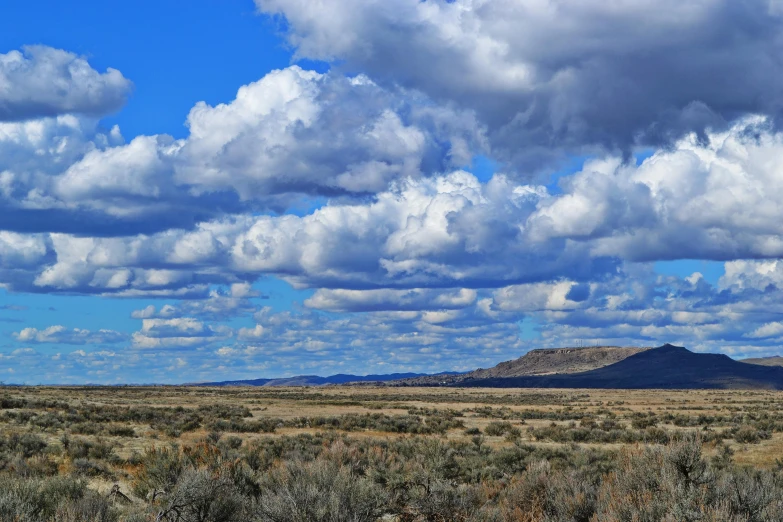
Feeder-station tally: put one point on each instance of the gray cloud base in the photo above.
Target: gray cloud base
(560, 76)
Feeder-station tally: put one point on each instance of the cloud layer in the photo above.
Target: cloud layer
(290, 136)
(714, 199)
(556, 76)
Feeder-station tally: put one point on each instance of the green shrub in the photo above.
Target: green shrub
(318, 491)
(79, 448)
(26, 444)
(747, 435)
(157, 471)
(121, 431)
(92, 468)
(642, 422)
(202, 496)
(43, 500)
(498, 429)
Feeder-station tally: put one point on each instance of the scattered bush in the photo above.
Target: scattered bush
(26, 444)
(202, 496)
(318, 492)
(420, 475)
(498, 429)
(747, 435)
(55, 498)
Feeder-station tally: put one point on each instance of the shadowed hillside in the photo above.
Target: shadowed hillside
(667, 367)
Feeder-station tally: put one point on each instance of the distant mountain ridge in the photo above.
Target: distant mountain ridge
(315, 380)
(666, 367)
(613, 367)
(542, 361)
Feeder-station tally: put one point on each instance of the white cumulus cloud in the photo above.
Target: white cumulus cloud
(59, 334)
(42, 81)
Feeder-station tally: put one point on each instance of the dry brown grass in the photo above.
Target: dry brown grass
(291, 403)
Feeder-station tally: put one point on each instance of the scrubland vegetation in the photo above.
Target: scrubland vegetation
(372, 454)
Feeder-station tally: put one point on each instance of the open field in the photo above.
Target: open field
(365, 453)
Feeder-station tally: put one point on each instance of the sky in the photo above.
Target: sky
(236, 189)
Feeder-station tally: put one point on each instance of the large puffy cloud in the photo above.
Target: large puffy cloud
(290, 136)
(438, 232)
(34, 154)
(297, 131)
(127, 267)
(556, 75)
(447, 231)
(715, 198)
(44, 82)
(59, 334)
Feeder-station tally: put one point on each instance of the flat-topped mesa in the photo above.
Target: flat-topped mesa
(545, 361)
(772, 360)
(665, 367)
(582, 350)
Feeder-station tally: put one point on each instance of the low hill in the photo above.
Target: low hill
(315, 380)
(545, 361)
(666, 367)
(775, 360)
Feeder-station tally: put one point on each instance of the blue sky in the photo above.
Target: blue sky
(240, 189)
(175, 57)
